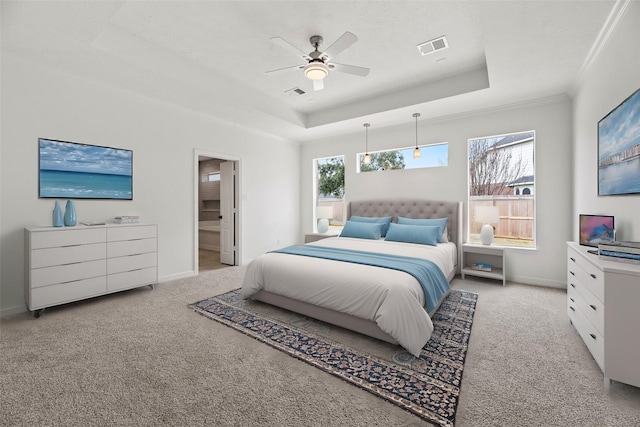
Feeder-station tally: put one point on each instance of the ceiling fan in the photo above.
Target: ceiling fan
(318, 65)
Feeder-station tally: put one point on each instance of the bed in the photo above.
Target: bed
(384, 303)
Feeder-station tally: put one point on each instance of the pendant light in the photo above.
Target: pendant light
(367, 158)
(416, 152)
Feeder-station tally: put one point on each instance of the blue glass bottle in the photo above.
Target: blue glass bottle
(57, 215)
(70, 214)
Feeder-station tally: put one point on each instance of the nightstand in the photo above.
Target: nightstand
(314, 237)
(484, 254)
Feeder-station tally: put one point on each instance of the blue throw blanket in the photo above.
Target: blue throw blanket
(434, 284)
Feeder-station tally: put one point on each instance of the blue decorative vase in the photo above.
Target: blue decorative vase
(70, 214)
(57, 215)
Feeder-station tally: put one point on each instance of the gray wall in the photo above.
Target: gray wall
(38, 103)
(611, 78)
(550, 118)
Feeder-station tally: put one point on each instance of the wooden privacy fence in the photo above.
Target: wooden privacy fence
(516, 216)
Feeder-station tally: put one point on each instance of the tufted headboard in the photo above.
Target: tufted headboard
(414, 208)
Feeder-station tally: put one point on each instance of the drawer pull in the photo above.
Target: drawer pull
(593, 275)
(592, 306)
(572, 285)
(572, 300)
(572, 309)
(572, 273)
(572, 259)
(592, 336)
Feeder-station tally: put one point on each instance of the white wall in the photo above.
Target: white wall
(611, 78)
(37, 103)
(550, 118)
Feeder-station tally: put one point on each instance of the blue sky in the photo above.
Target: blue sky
(65, 156)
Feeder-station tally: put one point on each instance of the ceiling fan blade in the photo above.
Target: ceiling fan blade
(291, 48)
(318, 84)
(343, 42)
(350, 69)
(295, 67)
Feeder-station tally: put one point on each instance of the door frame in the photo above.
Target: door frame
(197, 153)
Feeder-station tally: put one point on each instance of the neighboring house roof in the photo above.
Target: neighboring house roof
(523, 180)
(515, 139)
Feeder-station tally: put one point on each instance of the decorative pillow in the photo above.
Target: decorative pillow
(362, 230)
(385, 220)
(440, 222)
(421, 234)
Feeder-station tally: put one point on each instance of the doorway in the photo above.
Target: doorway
(216, 211)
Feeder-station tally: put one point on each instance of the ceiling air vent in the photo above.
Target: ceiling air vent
(296, 91)
(433, 45)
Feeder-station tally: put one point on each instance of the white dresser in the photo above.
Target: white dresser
(602, 304)
(65, 264)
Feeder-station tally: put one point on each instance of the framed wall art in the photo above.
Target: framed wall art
(619, 149)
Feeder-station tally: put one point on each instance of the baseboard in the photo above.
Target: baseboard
(537, 281)
(18, 309)
(177, 276)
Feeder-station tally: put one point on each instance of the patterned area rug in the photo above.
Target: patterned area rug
(428, 386)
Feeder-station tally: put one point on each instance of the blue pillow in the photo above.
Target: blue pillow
(385, 220)
(421, 234)
(362, 230)
(440, 222)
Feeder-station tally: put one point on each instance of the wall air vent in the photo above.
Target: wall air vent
(296, 91)
(433, 45)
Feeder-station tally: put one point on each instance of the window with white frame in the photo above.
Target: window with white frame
(502, 181)
(431, 156)
(211, 177)
(329, 189)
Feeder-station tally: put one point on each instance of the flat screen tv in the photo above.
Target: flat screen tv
(79, 171)
(596, 229)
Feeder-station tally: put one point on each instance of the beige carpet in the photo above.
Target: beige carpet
(144, 358)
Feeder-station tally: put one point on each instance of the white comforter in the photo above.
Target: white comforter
(393, 299)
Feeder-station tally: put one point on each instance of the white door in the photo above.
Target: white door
(227, 213)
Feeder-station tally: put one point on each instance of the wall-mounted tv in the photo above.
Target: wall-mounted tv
(619, 149)
(79, 171)
(595, 229)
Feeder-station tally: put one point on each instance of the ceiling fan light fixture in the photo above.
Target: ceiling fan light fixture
(316, 71)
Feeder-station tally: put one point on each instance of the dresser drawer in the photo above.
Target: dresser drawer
(588, 274)
(131, 247)
(57, 238)
(590, 306)
(132, 279)
(66, 292)
(591, 337)
(126, 232)
(67, 255)
(133, 262)
(67, 273)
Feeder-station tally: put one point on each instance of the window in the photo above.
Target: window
(501, 174)
(211, 177)
(329, 187)
(431, 156)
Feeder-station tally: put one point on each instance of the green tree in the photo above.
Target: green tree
(386, 160)
(331, 177)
